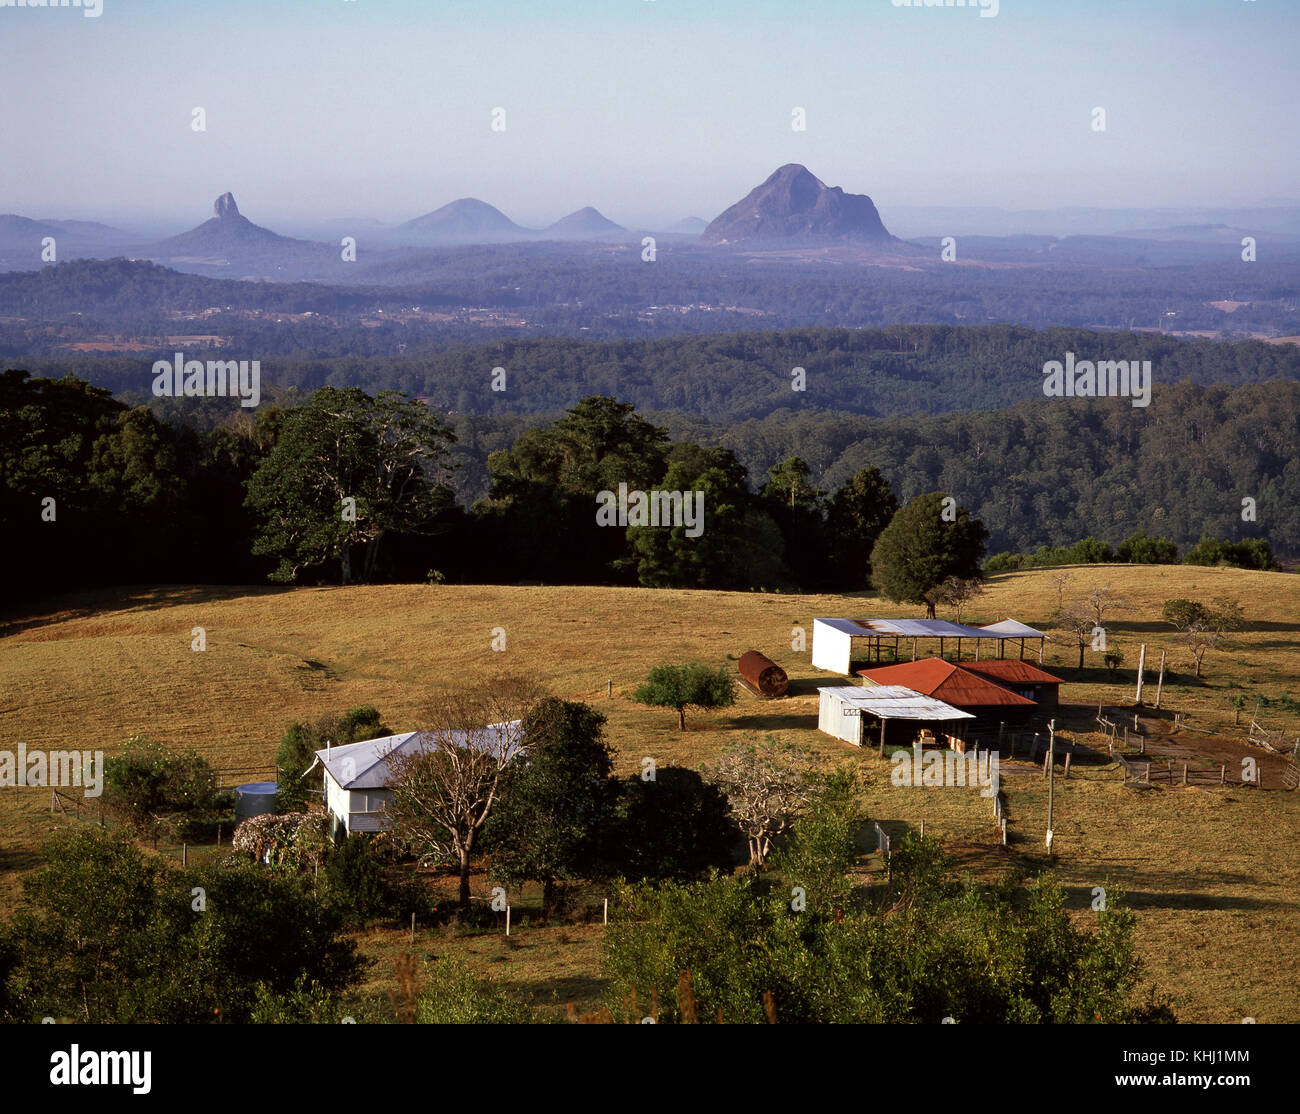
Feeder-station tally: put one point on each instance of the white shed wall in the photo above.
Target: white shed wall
(831, 649)
(832, 720)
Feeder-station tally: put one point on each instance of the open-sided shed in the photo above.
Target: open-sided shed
(842, 709)
(834, 639)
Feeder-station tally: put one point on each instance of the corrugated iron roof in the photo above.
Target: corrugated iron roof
(364, 765)
(896, 702)
(1012, 671)
(929, 628)
(946, 681)
(1010, 628)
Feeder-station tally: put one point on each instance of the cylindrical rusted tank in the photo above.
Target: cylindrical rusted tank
(763, 674)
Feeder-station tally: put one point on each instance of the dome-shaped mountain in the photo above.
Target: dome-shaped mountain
(795, 207)
(585, 224)
(467, 219)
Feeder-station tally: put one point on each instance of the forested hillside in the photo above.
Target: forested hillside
(151, 498)
(907, 370)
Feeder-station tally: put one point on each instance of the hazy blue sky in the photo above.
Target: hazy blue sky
(651, 110)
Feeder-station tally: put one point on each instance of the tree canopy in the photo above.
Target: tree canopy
(926, 542)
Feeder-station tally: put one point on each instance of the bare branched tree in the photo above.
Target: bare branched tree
(1204, 628)
(1076, 620)
(768, 786)
(956, 592)
(443, 793)
(1102, 601)
(1060, 578)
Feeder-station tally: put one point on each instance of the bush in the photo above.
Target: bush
(1005, 562)
(106, 934)
(822, 845)
(676, 826)
(727, 950)
(306, 1003)
(365, 884)
(148, 781)
(1139, 549)
(454, 995)
(301, 741)
(1253, 553)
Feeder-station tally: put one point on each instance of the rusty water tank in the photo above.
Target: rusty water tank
(763, 675)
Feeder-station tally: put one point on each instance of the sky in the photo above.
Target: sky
(650, 110)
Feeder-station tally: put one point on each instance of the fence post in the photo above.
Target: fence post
(185, 854)
(606, 916)
(1067, 765)
(923, 827)
(218, 835)
(507, 920)
(610, 688)
(1184, 773)
(1223, 773)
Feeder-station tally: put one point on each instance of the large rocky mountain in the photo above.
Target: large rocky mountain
(228, 233)
(795, 207)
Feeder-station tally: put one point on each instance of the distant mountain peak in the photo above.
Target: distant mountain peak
(585, 224)
(795, 206)
(225, 206)
(466, 218)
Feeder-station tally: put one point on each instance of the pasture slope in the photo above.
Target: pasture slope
(1214, 873)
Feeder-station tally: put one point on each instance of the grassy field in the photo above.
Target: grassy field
(1215, 873)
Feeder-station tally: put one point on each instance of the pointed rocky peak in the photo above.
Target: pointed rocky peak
(225, 206)
(794, 206)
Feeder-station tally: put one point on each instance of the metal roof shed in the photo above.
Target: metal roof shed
(841, 709)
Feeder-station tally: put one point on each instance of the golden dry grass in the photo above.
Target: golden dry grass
(1215, 873)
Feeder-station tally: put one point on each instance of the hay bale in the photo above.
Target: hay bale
(763, 675)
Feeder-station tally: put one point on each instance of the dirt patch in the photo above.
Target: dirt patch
(1205, 756)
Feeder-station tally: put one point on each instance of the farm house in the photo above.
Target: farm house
(842, 710)
(838, 643)
(1021, 678)
(357, 775)
(988, 700)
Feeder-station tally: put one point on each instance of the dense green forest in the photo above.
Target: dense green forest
(93, 491)
(907, 370)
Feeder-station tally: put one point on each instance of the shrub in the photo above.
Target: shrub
(454, 995)
(301, 741)
(148, 781)
(674, 826)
